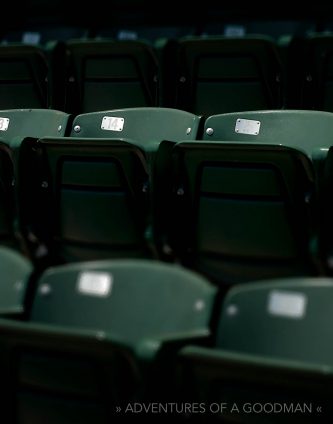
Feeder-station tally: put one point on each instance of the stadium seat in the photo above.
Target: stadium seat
(241, 211)
(98, 337)
(15, 270)
(104, 75)
(147, 126)
(85, 199)
(219, 74)
(305, 130)
(311, 75)
(15, 126)
(272, 357)
(23, 77)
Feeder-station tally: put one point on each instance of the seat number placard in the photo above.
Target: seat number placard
(112, 123)
(95, 283)
(4, 124)
(247, 126)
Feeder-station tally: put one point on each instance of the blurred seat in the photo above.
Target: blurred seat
(41, 34)
(311, 72)
(240, 212)
(15, 271)
(272, 357)
(104, 75)
(220, 74)
(23, 77)
(98, 337)
(325, 202)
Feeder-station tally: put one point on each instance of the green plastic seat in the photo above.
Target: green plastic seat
(241, 212)
(220, 74)
(104, 75)
(85, 199)
(15, 271)
(99, 333)
(310, 131)
(23, 76)
(272, 356)
(148, 126)
(17, 124)
(311, 75)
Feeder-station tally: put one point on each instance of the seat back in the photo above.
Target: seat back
(104, 75)
(312, 76)
(302, 129)
(273, 348)
(86, 199)
(79, 356)
(16, 124)
(131, 299)
(242, 211)
(217, 75)
(148, 126)
(23, 77)
(278, 318)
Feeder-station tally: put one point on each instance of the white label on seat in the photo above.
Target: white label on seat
(247, 126)
(95, 283)
(31, 38)
(127, 35)
(4, 124)
(235, 31)
(287, 304)
(112, 123)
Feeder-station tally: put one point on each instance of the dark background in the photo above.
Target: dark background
(16, 14)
